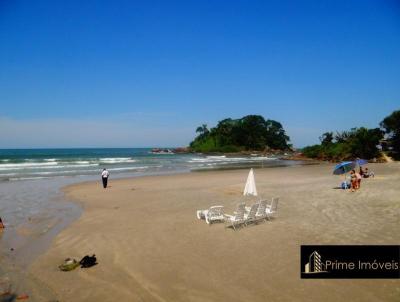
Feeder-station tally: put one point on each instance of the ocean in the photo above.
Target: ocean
(23, 164)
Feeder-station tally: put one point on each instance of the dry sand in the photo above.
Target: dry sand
(151, 247)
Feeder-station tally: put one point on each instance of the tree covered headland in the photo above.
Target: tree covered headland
(359, 142)
(251, 132)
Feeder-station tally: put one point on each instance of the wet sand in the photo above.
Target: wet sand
(34, 212)
(21, 245)
(151, 247)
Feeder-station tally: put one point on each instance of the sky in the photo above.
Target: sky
(147, 73)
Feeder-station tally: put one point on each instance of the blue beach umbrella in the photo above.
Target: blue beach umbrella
(344, 167)
(360, 162)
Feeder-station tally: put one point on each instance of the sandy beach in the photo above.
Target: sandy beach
(151, 247)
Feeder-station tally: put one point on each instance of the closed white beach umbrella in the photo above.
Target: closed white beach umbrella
(250, 188)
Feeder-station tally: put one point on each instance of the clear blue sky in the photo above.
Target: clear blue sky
(147, 73)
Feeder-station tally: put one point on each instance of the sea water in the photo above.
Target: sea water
(25, 164)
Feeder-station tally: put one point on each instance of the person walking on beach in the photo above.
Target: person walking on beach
(104, 177)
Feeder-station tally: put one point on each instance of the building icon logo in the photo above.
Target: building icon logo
(314, 264)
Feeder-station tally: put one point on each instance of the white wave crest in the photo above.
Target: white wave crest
(224, 159)
(28, 178)
(128, 168)
(46, 167)
(114, 160)
(25, 165)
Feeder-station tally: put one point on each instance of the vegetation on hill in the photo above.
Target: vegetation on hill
(251, 132)
(391, 125)
(359, 142)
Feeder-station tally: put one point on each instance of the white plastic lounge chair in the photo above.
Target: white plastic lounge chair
(262, 210)
(273, 208)
(215, 213)
(238, 218)
(258, 202)
(251, 215)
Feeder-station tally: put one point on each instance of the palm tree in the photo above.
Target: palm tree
(343, 136)
(202, 129)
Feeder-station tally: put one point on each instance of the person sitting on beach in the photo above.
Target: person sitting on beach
(353, 181)
(362, 172)
(367, 173)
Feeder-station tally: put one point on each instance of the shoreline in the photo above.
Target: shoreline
(23, 243)
(102, 217)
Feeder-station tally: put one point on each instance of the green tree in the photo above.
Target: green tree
(326, 138)
(391, 125)
(224, 131)
(348, 145)
(343, 136)
(276, 137)
(363, 142)
(251, 132)
(202, 130)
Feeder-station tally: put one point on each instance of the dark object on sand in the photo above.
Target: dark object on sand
(23, 297)
(69, 265)
(1, 224)
(7, 297)
(88, 261)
